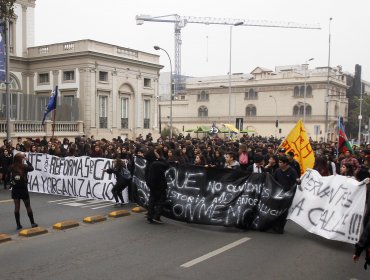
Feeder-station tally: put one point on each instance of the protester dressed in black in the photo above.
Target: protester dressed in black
(18, 176)
(155, 179)
(123, 179)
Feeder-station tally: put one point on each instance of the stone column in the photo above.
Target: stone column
(55, 78)
(24, 30)
(115, 100)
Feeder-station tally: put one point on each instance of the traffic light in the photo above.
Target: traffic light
(277, 123)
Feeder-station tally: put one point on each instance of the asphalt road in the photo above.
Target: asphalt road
(129, 248)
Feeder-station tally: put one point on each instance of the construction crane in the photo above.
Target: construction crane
(181, 21)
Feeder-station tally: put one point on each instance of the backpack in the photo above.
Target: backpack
(126, 174)
(243, 158)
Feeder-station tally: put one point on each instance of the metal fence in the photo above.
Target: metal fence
(30, 107)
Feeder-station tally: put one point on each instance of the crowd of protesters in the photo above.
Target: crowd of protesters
(250, 153)
(254, 154)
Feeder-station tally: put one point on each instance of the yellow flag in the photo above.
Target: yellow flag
(297, 142)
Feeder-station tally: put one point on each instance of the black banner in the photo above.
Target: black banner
(218, 196)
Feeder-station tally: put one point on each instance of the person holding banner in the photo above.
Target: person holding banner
(288, 178)
(123, 178)
(18, 176)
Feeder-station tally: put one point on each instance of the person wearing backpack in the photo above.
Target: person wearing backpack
(243, 157)
(123, 177)
(18, 180)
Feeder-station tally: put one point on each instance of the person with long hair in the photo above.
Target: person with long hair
(122, 180)
(18, 176)
(346, 169)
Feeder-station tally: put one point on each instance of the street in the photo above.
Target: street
(129, 248)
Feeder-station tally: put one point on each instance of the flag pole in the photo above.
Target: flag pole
(53, 125)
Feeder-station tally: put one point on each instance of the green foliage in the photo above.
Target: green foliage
(353, 113)
(6, 9)
(166, 132)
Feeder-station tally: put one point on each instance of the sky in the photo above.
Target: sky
(205, 48)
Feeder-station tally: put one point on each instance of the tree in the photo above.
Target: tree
(353, 113)
(6, 9)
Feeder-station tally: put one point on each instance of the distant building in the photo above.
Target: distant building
(261, 98)
(105, 90)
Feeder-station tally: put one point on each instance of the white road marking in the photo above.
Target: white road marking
(109, 205)
(97, 203)
(74, 204)
(51, 201)
(3, 201)
(215, 252)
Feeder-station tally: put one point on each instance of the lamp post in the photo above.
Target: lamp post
(231, 32)
(327, 87)
(171, 95)
(305, 90)
(360, 116)
(276, 116)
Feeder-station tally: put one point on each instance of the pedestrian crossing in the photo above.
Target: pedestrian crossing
(83, 203)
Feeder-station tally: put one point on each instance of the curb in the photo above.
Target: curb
(65, 225)
(119, 213)
(138, 209)
(4, 238)
(32, 231)
(94, 219)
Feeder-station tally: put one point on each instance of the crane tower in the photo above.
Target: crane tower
(181, 21)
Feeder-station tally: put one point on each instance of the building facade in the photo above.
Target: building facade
(268, 102)
(104, 90)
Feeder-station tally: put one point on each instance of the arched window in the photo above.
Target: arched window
(203, 96)
(296, 91)
(308, 110)
(301, 91)
(202, 112)
(298, 110)
(251, 111)
(13, 85)
(309, 91)
(295, 110)
(251, 94)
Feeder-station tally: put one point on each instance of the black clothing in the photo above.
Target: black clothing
(250, 169)
(287, 178)
(120, 185)
(364, 241)
(157, 184)
(271, 169)
(294, 164)
(19, 182)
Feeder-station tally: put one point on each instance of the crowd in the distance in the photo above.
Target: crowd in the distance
(250, 153)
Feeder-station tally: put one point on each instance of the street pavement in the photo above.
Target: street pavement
(129, 248)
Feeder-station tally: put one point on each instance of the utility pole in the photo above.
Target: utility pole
(7, 79)
(327, 88)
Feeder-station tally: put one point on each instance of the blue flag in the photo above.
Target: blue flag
(52, 103)
(2, 56)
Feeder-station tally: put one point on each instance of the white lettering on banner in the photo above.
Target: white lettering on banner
(72, 176)
(330, 206)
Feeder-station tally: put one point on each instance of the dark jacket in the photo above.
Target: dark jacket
(155, 175)
(364, 241)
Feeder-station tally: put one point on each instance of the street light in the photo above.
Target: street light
(360, 116)
(231, 32)
(171, 95)
(276, 115)
(305, 90)
(327, 88)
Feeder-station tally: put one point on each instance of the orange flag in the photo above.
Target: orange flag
(297, 142)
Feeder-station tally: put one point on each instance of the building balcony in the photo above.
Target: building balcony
(81, 46)
(37, 130)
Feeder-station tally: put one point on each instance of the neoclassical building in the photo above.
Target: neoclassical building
(263, 97)
(104, 90)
